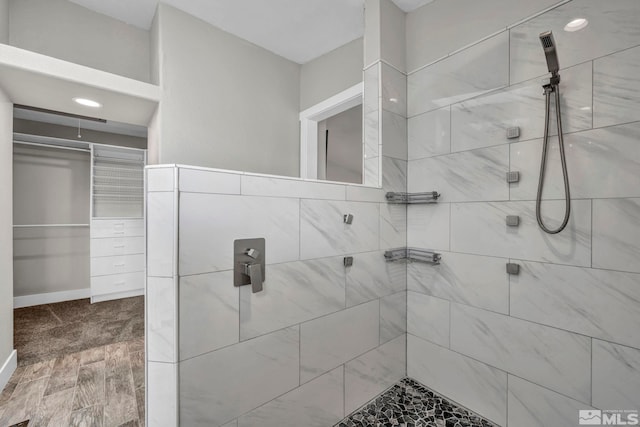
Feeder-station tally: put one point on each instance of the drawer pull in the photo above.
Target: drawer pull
(119, 283)
(118, 232)
(118, 246)
(119, 265)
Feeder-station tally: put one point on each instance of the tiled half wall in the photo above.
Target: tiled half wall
(321, 339)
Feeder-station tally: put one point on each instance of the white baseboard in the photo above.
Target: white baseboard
(117, 295)
(50, 298)
(8, 368)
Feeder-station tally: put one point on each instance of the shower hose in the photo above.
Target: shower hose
(548, 89)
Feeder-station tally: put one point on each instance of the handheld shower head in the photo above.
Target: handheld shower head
(549, 46)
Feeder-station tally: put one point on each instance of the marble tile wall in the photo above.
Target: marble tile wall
(319, 341)
(531, 349)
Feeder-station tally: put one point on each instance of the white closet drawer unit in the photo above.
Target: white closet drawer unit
(117, 264)
(117, 228)
(114, 283)
(117, 246)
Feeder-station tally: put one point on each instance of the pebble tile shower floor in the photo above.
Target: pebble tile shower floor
(410, 404)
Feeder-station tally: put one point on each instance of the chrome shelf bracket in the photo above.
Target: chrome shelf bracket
(413, 255)
(412, 198)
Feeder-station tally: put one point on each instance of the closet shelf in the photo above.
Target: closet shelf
(137, 170)
(49, 225)
(112, 179)
(118, 187)
(119, 160)
(413, 255)
(118, 196)
(412, 198)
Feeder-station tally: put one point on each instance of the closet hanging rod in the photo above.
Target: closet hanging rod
(48, 225)
(60, 147)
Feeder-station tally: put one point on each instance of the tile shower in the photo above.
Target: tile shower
(531, 349)
(324, 339)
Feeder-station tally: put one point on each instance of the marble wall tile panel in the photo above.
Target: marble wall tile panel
(612, 27)
(462, 379)
(616, 235)
(371, 277)
(547, 356)
(483, 121)
(293, 293)
(597, 303)
(602, 163)
(318, 403)
(532, 406)
(428, 226)
(162, 320)
(324, 233)
(217, 387)
(480, 228)
(373, 372)
(212, 300)
(616, 376)
(428, 318)
(466, 74)
(209, 224)
(393, 316)
(330, 341)
(616, 88)
(462, 177)
(429, 134)
(474, 280)
(281, 187)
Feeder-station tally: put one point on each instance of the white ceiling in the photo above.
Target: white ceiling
(299, 30)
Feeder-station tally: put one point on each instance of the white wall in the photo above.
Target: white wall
(6, 229)
(331, 73)
(4, 21)
(51, 186)
(226, 103)
(441, 27)
(67, 31)
(344, 153)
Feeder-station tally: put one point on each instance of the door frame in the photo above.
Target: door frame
(309, 119)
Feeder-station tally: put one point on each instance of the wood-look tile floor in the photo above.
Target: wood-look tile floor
(44, 332)
(98, 387)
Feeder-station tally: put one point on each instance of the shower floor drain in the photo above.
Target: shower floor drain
(410, 404)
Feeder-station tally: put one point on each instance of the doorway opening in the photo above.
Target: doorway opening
(79, 271)
(337, 154)
(340, 147)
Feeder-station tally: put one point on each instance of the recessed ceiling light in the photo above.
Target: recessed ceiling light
(88, 102)
(576, 24)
